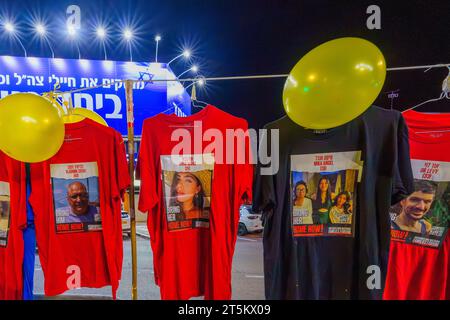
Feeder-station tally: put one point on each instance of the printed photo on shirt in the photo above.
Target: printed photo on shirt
(76, 197)
(323, 193)
(423, 217)
(4, 213)
(187, 182)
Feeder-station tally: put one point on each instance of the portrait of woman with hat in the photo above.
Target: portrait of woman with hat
(189, 191)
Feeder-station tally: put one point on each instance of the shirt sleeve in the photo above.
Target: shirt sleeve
(13, 172)
(146, 171)
(122, 173)
(403, 176)
(244, 170)
(263, 187)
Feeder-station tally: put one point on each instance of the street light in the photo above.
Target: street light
(42, 32)
(157, 39)
(40, 29)
(200, 81)
(73, 34)
(194, 68)
(185, 53)
(11, 29)
(128, 35)
(101, 34)
(72, 31)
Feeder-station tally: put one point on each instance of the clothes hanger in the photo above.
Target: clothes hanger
(55, 99)
(444, 95)
(197, 103)
(71, 116)
(67, 112)
(194, 102)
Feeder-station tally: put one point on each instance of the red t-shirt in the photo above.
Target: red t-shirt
(416, 271)
(192, 201)
(13, 219)
(76, 198)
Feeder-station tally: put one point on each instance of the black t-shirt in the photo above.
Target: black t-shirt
(339, 248)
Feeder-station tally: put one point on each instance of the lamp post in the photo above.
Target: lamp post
(73, 34)
(42, 32)
(101, 34)
(128, 35)
(185, 53)
(11, 29)
(200, 81)
(193, 69)
(157, 40)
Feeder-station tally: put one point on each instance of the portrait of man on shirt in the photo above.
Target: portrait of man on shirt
(78, 209)
(414, 209)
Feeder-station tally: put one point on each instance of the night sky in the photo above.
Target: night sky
(251, 37)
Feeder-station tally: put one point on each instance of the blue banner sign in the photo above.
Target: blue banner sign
(39, 75)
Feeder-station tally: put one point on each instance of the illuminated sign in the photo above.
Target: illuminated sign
(19, 74)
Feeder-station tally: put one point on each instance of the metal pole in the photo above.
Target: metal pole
(79, 52)
(23, 47)
(130, 125)
(184, 72)
(50, 46)
(104, 49)
(131, 52)
(178, 56)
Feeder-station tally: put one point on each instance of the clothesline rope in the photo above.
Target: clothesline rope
(266, 76)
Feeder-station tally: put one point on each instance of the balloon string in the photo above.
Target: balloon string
(267, 76)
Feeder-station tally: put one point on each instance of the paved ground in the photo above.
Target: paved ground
(247, 276)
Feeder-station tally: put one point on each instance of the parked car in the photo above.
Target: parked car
(126, 225)
(249, 221)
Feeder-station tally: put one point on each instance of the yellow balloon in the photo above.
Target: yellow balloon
(83, 112)
(31, 127)
(334, 83)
